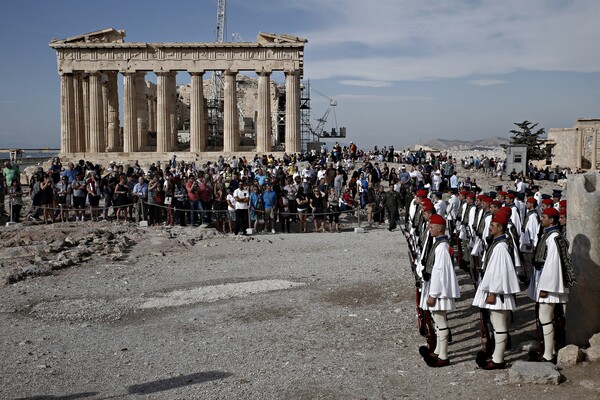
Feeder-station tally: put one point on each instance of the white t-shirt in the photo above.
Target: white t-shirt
(231, 200)
(241, 194)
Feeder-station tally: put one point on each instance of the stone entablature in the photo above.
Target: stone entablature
(88, 65)
(191, 57)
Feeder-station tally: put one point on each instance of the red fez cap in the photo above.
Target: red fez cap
(510, 195)
(562, 203)
(503, 193)
(551, 211)
(480, 197)
(547, 202)
(421, 193)
(471, 195)
(437, 219)
(506, 210)
(531, 200)
(486, 199)
(563, 211)
(428, 206)
(463, 192)
(501, 218)
(495, 203)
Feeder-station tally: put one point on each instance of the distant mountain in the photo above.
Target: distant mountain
(454, 143)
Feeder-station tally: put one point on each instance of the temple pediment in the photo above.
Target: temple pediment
(108, 35)
(278, 38)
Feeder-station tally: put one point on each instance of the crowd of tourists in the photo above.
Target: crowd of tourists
(504, 239)
(299, 192)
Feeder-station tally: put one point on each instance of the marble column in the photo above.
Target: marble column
(163, 121)
(292, 112)
(231, 122)
(150, 108)
(197, 123)
(142, 112)
(594, 157)
(97, 143)
(130, 131)
(67, 116)
(583, 233)
(114, 124)
(85, 80)
(578, 148)
(105, 95)
(263, 119)
(173, 111)
(79, 133)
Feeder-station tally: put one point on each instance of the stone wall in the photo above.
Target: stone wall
(583, 232)
(577, 147)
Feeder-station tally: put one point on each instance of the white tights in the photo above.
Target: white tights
(442, 333)
(546, 316)
(499, 319)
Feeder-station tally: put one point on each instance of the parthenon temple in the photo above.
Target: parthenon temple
(89, 66)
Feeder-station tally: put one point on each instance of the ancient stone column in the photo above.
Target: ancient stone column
(595, 150)
(578, 148)
(231, 122)
(292, 112)
(197, 123)
(105, 95)
(163, 121)
(97, 143)
(583, 232)
(79, 132)
(173, 111)
(263, 119)
(130, 131)
(114, 124)
(151, 108)
(85, 80)
(67, 116)
(142, 112)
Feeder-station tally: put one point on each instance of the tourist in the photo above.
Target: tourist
(269, 200)
(63, 192)
(318, 205)
(94, 194)
(15, 199)
(242, 199)
(121, 199)
(302, 202)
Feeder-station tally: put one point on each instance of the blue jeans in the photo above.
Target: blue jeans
(196, 206)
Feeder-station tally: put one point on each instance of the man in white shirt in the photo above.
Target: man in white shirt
(242, 198)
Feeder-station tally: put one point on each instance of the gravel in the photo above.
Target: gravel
(277, 316)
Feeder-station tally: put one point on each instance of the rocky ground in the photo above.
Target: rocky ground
(189, 313)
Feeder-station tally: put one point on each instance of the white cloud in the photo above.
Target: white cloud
(373, 84)
(398, 40)
(487, 82)
(379, 98)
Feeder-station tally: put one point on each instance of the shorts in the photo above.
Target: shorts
(269, 213)
(231, 215)
(78, 202)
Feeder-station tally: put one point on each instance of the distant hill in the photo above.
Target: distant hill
(463, 144)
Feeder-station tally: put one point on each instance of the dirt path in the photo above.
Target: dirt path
(187, 314)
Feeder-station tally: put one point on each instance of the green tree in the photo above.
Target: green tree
(526, 136)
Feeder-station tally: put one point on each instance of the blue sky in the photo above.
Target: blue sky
(402, 71)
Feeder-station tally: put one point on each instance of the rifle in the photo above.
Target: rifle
(424, 320)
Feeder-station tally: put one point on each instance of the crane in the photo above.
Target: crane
(319, 131)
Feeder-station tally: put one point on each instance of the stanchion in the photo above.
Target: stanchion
(358, 229)
(10, 204)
